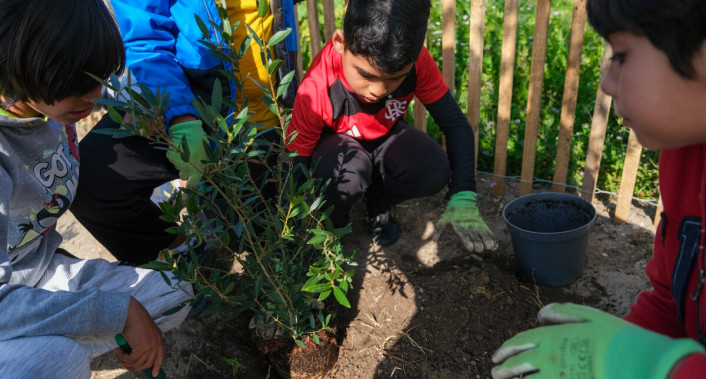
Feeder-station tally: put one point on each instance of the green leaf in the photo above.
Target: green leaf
(310, 283)
(267, 99)
(185, 155)
(115, 115)
(202, 26)
(229, 289)
(279, 36)
(324, 295)
(157, 266)
(173, 310)
(285, 82)
(218, 53)
(264, 89)
(318, 288)
(315, 337)
(217, 96)
(115, 133)
(274, 66)
(300, 343)
(317, 239)
(254, 35)
(149, 97)
(244, 46)
(263, 6)
(211, 308)
(258, 284)
(341, 297)
(111, 102)
(115, 82)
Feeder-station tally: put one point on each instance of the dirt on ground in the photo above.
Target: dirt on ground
(420, 309)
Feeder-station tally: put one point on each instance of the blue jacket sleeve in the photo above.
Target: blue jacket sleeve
(150, 35)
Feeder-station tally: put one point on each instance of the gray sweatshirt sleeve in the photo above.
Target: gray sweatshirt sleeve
(27, 311)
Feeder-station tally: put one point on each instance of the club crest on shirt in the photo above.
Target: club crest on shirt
(395, 109)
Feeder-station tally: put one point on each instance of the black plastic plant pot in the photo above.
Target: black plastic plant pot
(549, 234)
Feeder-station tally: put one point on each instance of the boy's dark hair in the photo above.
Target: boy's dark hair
(677, 27)
(48, 46)
(390, 33)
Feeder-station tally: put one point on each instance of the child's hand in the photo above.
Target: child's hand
(463, 215)
(190, 164)
(579, 341)
(145, 339)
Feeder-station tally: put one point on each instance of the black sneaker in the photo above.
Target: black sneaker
(382, 225)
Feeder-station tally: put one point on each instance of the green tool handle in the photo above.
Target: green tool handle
(122, 342)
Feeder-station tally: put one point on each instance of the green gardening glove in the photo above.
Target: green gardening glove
(190, 138)
(583, 342)
(462, 213)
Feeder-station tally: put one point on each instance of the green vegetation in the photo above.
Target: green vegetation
(250, 210)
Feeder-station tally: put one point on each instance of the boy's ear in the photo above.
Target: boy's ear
(338, 41)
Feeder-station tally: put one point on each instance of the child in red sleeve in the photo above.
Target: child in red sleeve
(657, 77)
(348, 119)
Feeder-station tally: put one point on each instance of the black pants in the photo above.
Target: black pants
(117, 177)
(404, 164)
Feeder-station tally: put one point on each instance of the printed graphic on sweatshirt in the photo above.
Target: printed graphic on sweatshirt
(57, 173)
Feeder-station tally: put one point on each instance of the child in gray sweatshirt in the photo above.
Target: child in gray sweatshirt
(57, 312)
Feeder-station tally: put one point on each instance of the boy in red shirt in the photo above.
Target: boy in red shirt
(348, 119)
(657, 77)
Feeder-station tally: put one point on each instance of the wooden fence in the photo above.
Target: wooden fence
(568, 108)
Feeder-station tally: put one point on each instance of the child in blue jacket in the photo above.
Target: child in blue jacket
(163, 50)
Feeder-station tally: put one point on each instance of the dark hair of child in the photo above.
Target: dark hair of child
(676, 26)
(390, 33)
(48, 46)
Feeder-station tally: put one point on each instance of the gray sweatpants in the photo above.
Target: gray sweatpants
(69, 357)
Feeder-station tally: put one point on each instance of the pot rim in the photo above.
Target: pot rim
(547, 195)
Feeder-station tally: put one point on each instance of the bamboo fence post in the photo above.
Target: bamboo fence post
(420, 111)
(312, 12)
(420, 115)
(505, 95)
(658, 212)
(571, 86)
(329, 19)
(475, 67)
(601, 111)
(534, 98)
(448, 43)
(448, 48)
(627, 181)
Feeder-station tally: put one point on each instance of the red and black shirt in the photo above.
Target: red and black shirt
(325, 100)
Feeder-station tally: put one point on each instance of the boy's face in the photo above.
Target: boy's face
(664, 109)
(66, 111)
(366, 81)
